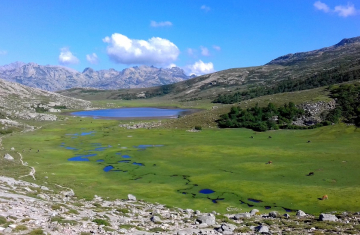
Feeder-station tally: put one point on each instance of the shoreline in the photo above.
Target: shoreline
(182, 113)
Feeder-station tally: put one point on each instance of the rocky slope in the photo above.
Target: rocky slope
(53, 78)
(21, 102)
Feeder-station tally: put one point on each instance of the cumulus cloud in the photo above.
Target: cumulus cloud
(200, 68)
(204, 51)
(321, 6)
(160, 24)
(343, 11)
(66, 57)
(2, 52)
(92, 58)
(154, 51)
(205, 8)
(217, 48)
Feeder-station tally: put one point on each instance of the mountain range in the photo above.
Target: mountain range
(291, 72)
(54, 78)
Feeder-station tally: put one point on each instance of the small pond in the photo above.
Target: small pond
(133, 113)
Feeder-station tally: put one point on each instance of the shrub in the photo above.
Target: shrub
(199, 128)
(101, 222)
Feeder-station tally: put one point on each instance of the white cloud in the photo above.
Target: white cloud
(172, 65)
(204, 51)
(217, 48)
(205, 8)
(66, 57)
(2, 52)
(200, 68)
(92, 58)
(154, 51)
(160, 24)
(321, 6)
(345, 11)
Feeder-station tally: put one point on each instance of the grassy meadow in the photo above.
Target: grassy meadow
(226, 161)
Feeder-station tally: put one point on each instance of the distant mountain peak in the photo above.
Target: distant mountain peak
(54, 77)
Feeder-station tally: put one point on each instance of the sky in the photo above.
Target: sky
(199, 36)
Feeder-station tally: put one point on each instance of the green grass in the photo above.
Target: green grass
(226, 161)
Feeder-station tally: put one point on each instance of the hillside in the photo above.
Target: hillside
(53, 78)
(25, 103)
(336, 64)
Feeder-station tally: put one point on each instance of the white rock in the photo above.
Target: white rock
(8, 157)
(131, 197)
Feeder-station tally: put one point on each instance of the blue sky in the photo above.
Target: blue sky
(198, 36)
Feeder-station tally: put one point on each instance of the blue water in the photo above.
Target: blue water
(108, 168)
(100, 160)
(125, 156)
(130, 112)
(144, 146)
(254, 200)
(206, 191)
(138, 164)
(82, 158)
(125, 161)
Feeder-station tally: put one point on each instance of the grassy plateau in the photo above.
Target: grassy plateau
(227, 161)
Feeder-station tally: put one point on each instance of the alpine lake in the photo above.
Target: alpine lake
(213, 169)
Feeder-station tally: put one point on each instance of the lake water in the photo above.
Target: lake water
(131, 113)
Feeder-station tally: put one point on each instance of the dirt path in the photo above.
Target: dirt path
(32, 171)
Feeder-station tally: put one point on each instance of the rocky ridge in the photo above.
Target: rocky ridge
(54, 78)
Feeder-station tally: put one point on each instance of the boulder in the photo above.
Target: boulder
(327, 217)
(155, 219)
(208, 219)
(131, 197)
(8, 157)
(253, 212)
(287, 216)
(262, 229)
(227, 228)
(242, 215)
(300, 213)
(273, 214)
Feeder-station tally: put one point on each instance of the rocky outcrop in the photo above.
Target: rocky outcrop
(313, 112)
(54, 78)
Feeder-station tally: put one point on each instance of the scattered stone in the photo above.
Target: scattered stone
(327, 217)
(262, 229)
(227, 228)
(155, 219)
(287, 216)
(300, 213)
(242, 215)
(12, 149)
(253, 212)
(131, 197)
(8, 157)
(208, 219)
(273, 214)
